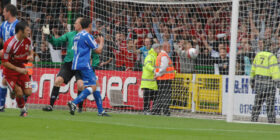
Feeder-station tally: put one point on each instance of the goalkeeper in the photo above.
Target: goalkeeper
(265, 76)
(65, 74)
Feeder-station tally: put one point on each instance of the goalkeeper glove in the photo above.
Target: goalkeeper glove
(46, 29)
(252, 82)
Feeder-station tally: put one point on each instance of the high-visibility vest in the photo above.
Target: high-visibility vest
(29, 67)
(266, 64)
(169, 73)
(148, 74)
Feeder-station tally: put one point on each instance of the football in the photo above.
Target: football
(192, 53)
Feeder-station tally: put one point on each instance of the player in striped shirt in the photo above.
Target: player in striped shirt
(7, 30)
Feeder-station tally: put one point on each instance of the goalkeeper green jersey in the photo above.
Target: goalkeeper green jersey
(66, 38)
(69, 39)
(95, 59)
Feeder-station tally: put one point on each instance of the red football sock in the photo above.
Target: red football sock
(20, 102)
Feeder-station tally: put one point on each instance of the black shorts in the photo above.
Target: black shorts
(67, 73)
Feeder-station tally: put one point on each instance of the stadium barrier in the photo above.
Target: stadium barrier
(182, 88)
(203, 92)
(244, 97)
(117, 80)
(208, 93)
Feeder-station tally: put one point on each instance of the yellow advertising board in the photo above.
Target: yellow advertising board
(182, 91)
(208, 93)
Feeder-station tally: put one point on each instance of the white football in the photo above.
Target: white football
(192, 53)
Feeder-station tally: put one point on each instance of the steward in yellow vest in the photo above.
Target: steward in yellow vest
(265, 76)
(148, 82)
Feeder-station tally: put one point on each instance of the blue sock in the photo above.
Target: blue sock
(82, 96)
(3, 94)
(98, 100)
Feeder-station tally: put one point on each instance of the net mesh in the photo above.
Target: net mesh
(258, 31)
(131, 28)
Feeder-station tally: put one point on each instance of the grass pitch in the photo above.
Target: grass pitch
(58, 125)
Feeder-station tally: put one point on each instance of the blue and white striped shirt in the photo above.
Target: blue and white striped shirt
(7, 30)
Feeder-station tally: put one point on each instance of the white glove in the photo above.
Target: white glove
(46, 29)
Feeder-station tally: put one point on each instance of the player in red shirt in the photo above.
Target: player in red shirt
(17, 52)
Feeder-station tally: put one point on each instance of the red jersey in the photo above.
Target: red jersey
(16, 53)
(119, 57)
(130, 59)
(141, 34)
(120, 54)
(122, 45)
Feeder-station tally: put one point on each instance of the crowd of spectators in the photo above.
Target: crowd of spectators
(130, 29)
(205, 27)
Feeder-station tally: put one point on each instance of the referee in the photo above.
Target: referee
(265, 76)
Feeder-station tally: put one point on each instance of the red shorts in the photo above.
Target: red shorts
(21, 80)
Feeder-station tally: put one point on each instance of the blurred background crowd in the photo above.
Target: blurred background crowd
(130, 29)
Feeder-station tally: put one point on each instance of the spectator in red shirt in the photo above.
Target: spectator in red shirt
(139, 32)
(120, 51)
(130, 56)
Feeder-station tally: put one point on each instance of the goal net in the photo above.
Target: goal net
(131, 28)
(258, 30)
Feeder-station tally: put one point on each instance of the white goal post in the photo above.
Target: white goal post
(232, 64)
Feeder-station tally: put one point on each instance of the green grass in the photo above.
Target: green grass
(55, 125)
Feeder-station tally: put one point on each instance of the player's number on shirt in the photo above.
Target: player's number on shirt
(28, 85)
(75, 46)
(262, 59)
